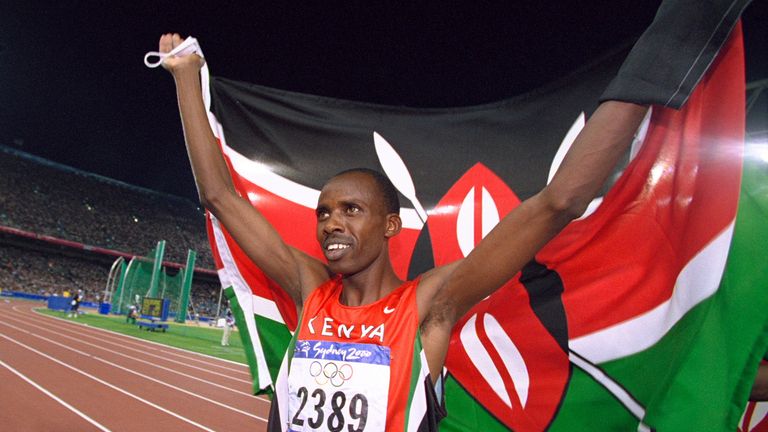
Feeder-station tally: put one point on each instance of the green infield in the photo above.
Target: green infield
(202, 338)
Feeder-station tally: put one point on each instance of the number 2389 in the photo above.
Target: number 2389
(356, 411)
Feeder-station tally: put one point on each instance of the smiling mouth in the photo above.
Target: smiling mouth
(335, 250)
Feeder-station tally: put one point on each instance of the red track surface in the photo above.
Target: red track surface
(56, 375)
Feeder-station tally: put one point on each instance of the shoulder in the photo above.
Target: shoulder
(313, 274)
(322, 291)
(435, 278)
(430, 286)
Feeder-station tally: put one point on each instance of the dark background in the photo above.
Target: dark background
(74, 89)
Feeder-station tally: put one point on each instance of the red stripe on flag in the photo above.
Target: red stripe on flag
(677, 195)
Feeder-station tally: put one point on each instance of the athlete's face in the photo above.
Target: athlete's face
(352, 223)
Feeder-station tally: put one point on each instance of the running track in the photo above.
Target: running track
(56, 375)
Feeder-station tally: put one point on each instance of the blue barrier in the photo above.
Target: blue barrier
(54, 302)
(151, 324)
(59, 303)
(23, 295)
(64, 303)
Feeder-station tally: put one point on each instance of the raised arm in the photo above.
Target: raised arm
(294, 271)
(760, 387)
(525, 230)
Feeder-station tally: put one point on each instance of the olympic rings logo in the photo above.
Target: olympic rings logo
(331, 372)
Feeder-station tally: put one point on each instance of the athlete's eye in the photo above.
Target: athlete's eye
(322, 214)
(353, 209)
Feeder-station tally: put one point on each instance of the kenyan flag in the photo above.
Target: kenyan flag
(648, 313)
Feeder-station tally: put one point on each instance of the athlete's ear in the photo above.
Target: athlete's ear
(394, 225)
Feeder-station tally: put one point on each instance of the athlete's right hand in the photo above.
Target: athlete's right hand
(173, 64)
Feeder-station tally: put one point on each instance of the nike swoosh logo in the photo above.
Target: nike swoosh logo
(388, 310)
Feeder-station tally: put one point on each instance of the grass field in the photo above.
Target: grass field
(202, 339)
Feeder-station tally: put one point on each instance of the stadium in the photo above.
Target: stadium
(126, 305)
(75, 246)
(49, 255)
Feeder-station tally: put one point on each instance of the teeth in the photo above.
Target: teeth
(335, 246)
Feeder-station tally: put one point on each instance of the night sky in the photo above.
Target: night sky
(74, 88)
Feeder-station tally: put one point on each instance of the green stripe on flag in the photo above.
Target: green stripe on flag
(464, 413)
(275, 338)
(668, 379)
(584, 399)
(714, 373)
(416, 377)
(698, 376)
(245, 336)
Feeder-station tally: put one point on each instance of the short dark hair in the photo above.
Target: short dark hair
(387, 189)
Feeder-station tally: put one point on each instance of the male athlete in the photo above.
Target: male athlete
(355, 354)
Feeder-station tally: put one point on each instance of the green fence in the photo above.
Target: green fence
(145, 276)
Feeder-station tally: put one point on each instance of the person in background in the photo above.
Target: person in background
(229, 322)
(133, 313)
(75, 303)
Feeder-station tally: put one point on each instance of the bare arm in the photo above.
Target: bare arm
(293, 270)
(760, 387)
(517, 238)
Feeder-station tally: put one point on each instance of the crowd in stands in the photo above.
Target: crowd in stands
(205, 300)
(49, 273)
(35, 272)
(45, 198)
(50, 199)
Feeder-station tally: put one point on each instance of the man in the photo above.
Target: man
(354, 224)
(132, 315)
(354, 302)
(229, 322)
(74, 309)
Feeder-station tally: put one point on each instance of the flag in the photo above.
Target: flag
(646, 313)
(755, 417)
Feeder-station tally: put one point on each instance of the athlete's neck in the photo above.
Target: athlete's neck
(368, 286)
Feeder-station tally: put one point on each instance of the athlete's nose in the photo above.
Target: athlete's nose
(333, 223)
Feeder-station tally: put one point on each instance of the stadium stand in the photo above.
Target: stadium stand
(61, 229)
(47, 273)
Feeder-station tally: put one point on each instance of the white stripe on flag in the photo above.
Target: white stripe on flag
(511, 357)
(616, 390)
(260, 175)
(482, 361)
(760, 412)
(698, 281)
(281, 391)
(232, 276)
(266, 308)
(419, 403)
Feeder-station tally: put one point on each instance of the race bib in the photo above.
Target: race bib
(336, 386)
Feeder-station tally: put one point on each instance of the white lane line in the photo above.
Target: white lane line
(207, 360)
(140, 342)
(101, 381)
(127, 356)
(159, 346)
(144, 353)
(54, 397)
(135, 373)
